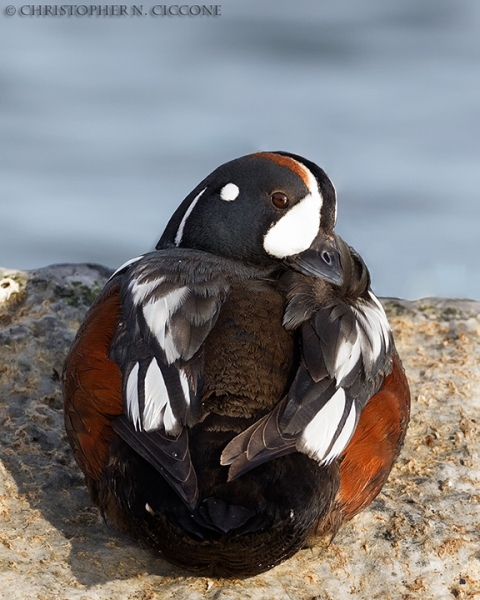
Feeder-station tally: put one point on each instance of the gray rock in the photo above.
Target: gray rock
(419, 539)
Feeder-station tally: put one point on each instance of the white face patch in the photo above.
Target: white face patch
(295, 231)
(229, 192)
(178, 237)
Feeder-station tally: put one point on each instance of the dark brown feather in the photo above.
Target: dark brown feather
(169, 455)
(261, 442)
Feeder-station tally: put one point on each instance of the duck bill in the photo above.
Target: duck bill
(321, 260)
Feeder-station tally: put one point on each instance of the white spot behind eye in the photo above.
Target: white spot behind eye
(229, 192)
(295, 231)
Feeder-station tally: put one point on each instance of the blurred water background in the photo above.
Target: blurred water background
(106, 123)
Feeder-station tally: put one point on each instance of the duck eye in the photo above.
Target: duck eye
(279, 199)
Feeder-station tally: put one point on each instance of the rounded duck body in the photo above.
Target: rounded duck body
(237, 392)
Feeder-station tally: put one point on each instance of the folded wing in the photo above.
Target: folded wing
(347, 350)
(171, 300)
(170, 303)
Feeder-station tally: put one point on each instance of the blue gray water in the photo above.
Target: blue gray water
(107, 123)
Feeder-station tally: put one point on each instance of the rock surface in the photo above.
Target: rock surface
(419, 539)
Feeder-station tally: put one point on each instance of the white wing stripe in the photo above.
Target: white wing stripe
(347, 358)
(141, 290)
(185, 386)
(385, 325)
(319, 433)
(373, 332)
(133, 408)
(344, 437)
(156, 397)
(157, 314)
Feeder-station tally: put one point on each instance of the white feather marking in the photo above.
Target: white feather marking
(346, 359)
(373, 337)
(133, 408)
(318, 434)
(375, 330)
(149, 509)
(297, 229)
(336, 204)
(181, 227)
(156, 397)
(141, 290)
(185, 386)
(126, 264)
(385, 325)
(169, 421)
(229, 192)
(344, 437)
(157, 314)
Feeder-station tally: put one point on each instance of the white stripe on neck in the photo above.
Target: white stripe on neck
(178, 237)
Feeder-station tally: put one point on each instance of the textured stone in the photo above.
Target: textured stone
(419, 539)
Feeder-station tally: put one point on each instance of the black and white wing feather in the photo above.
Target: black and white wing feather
(170, 302)
(346, 353)
(346, 356)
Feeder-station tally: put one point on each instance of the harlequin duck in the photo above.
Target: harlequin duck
(237, 391)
